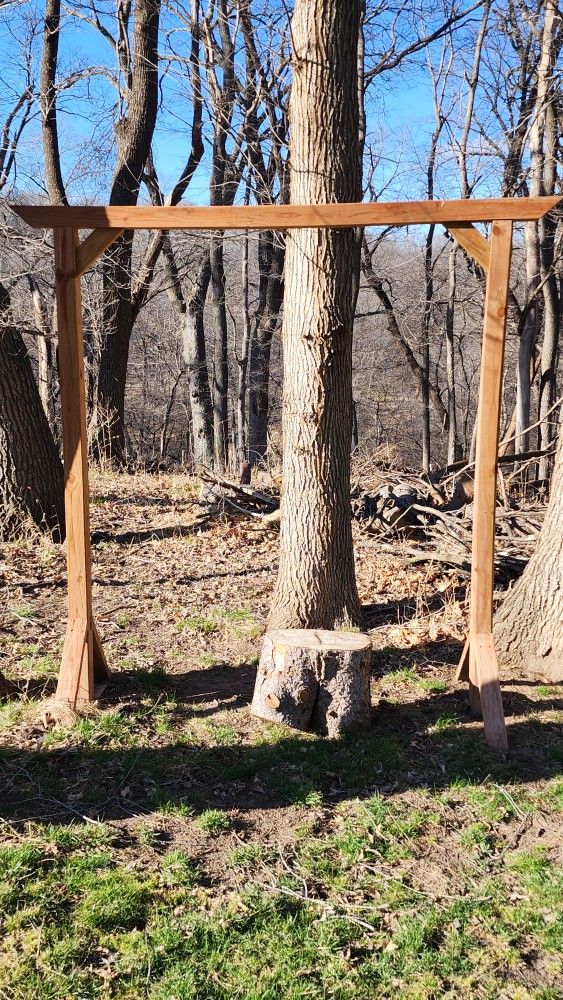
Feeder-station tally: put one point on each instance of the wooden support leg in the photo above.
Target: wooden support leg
(462, 672)
(83, 661)
(484, 687)
(489, 690)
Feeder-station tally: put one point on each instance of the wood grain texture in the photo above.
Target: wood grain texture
(322, 216)
(93, 247)
(314, 678)
(489, 690)
(74, 675)
(488, 429)
(488, 420)
(73, 413)
(462, 671)
(76, 678)
(473, 242)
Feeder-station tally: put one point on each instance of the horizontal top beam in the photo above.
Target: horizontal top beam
(398, 213)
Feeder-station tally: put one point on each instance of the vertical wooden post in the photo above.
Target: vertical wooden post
(83, 660)
(484, 687)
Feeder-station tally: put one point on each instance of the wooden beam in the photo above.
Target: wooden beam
(473, 242)
(462, 671)
(79, 667)
(489, 691)
(93, 247)
(400, 213)
(488, 421)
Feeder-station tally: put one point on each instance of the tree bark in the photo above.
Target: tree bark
(49, 129)
(31, 471)
(316, 586)
(314, 678)
(134, 133)
(453, 449)
(544, 145)
(271, 254)
(528, 625)
(195, 357)
(242, 359)
(220, 381)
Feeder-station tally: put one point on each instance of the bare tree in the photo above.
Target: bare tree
(316, 584)
(528, 633)
(133, 132)
(31, 472)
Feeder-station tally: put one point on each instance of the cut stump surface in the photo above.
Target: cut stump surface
(314, 679)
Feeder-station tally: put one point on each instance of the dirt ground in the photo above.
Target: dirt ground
(171, 757)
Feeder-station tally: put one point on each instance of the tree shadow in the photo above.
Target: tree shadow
(147, 535)
(28, 687)
(429, 742)
(198, 692)
(442, 652)
(406, 608)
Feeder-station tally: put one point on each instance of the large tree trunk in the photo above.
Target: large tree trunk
(453, 449)
(114, 354)
(220, 382)
(195, 357)
(528, 626)
(31, 472)
(544, 144)
(271, 253)
(134, 136)
(316, 586)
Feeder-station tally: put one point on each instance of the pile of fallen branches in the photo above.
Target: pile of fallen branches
(436, 525)
(431, 522)
(446, 538)
(223, 497)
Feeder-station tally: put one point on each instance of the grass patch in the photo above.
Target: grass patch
(214, 822)
(236, 623)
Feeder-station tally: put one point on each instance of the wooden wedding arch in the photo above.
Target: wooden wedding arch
(84, 668)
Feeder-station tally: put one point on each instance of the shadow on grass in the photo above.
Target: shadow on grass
(407, 608)
(426, 743)
(147, 535)
(199, 692)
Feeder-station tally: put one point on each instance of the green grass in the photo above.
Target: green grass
(405, 675)
(236, 623)
(444, 722)
(83, 925)
(23, 611)
(214, 822)
(399, 870)
(432, 684)
(549, 691)
(178, 869)
(12, 712)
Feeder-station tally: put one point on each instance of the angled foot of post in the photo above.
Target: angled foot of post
(467, 671)
(489, 691)
(462, 672)
(84, 671)
(102, 673)
(478, 665)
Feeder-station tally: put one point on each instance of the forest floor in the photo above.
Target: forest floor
(168, 846)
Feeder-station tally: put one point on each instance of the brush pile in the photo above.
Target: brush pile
(432, 520)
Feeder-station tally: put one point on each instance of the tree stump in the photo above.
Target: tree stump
(311, 678)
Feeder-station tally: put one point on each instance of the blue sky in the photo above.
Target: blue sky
(399, 110)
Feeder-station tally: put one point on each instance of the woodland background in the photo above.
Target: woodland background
(182, 330)
(163, 843)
